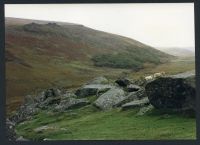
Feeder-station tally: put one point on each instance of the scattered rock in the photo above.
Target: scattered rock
(21, 138)
(29, 99)
(42, 96)
(49, 93)
(50, 128)
(133, 88)
(53, 24)
(47, 139)
(136, 103)
(52, 93)
(123, 82)
(70, 103)
(50, 102)
(144, 110)
(24, 112)
(109, 99)
(89, 90)
(140, 82)
(68, 95)
(10, 131)
(133, 96)
(43, 128)
(172, 92)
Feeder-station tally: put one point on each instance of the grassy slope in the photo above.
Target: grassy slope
(45, 66)
(58, 56)
(89, 124)
(178, 65)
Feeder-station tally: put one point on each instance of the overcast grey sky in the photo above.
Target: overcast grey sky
(158, 25)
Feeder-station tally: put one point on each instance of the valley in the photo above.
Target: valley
(41, 54)
(52, 94)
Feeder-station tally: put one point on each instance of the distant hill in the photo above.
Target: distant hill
(40, 54)
(89, 43)
(182, 52)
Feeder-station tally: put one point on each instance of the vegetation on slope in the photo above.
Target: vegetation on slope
(40, 54)
(173, 67)
(43, 55)
(88, 123)
(117, 61)
(130, 59)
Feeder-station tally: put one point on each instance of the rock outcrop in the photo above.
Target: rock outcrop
(145, 110)
(173, 92)
(92, 89)
(132, 96)
(136, 103)
(109, 99)
(10, 131)
(24, 112)
(71, 103)
(49, 93)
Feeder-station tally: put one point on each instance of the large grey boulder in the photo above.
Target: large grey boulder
(137, 95)
(93, 89)
(136, 103)
(109, 99)
(173, 92)
(71, 103)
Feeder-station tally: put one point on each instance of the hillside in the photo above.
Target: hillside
(105, 110)
(40, 54)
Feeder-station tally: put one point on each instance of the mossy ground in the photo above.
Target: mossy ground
(88, 123)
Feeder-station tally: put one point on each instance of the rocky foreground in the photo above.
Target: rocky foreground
(175, 93)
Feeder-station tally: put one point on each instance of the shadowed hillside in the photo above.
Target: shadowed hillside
(40, 54)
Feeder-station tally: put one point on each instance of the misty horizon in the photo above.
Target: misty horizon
(159, 32)
(190, 48)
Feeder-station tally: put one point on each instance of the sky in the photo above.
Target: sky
(158, 25)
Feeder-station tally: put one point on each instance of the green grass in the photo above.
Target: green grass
(58, 72)
(88, 123)
(175, 66)
(65, 62)
(71, 74)
(132, 59)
